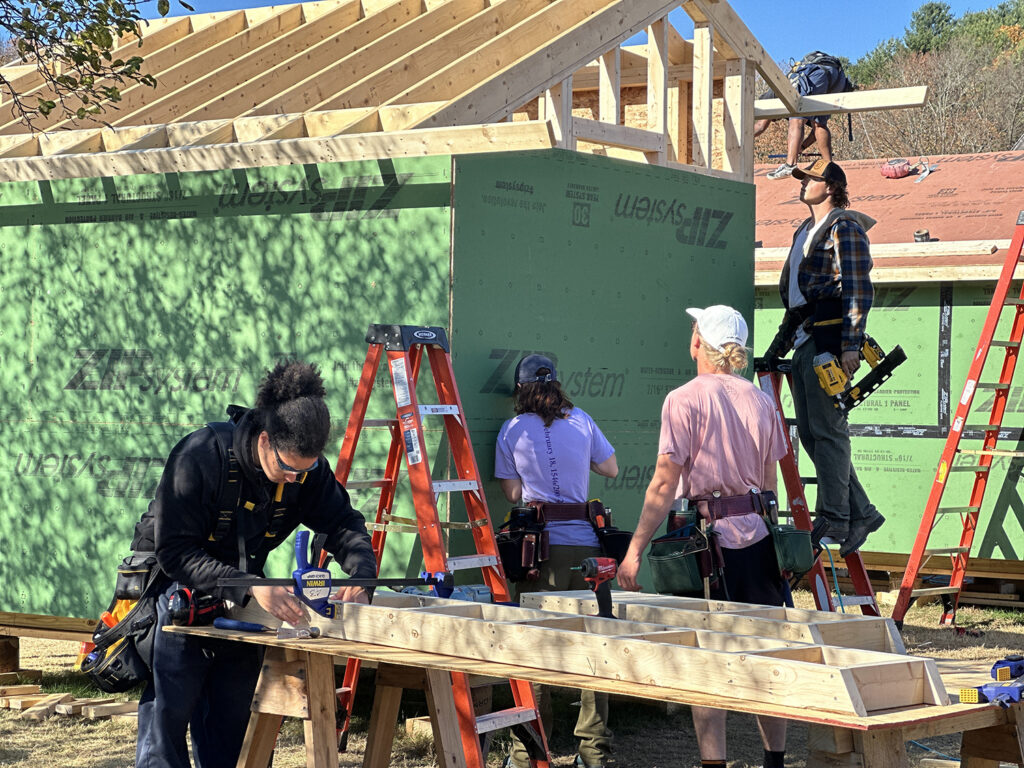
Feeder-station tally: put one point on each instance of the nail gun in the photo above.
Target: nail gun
(836, 383)
(314, 586)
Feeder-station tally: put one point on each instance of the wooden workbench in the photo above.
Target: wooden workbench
(298, 680)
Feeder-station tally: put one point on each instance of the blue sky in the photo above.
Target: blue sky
(786, 28)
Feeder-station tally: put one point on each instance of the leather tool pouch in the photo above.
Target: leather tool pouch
(523, 544)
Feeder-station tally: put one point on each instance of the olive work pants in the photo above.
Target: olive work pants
(595, 739)
(825, 435)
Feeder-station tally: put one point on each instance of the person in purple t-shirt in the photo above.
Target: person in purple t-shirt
(544, 457)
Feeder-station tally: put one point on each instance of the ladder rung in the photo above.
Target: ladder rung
(360, 484)
(439, 410)
(392, 527)
(857, 600)
(462, 562)
(1013, 302)
(984, 427)
(992, 385)
(956, 510)
(380, 422)
(504, 719)
(453, 486)
(947, 551)
(934, 591)
(969, 468)
(992, 452)
(1006, 343)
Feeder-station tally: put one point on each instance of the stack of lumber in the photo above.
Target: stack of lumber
(36, 705)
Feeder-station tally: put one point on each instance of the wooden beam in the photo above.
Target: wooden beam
(903, 250)
(703, 94)
(596, 132)
(199, 78)
(199, 133)
(854, 101)
(314, 48)
(657, 80)
(163, 64)
(732, 29)
(556, 108)
(408, 80)
(541, 61)
(609, 97)
(470, 139)
(738, 108)
(680, 50)
(587, 78)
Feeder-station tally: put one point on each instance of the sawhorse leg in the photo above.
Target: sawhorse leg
(987, 747)
(293, 684)
(833, 747)
(391, 681)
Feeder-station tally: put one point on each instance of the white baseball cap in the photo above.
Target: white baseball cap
(720, 325)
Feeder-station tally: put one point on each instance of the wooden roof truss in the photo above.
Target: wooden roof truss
(365, 79)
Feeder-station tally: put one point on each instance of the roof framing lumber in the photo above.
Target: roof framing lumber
(470, 139)
(743, 44)
(855, 101)
(316, 46)
(532, 73)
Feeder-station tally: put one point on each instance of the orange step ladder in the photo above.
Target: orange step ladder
(980, 458)
(402, 346)
(770, 375)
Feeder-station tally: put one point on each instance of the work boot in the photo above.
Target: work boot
(859, 533)
(782, 171)
(825, 532)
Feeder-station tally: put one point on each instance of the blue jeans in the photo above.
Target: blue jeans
(825, 435)
(206, 685)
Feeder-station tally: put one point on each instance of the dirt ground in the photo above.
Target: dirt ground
(647, 734)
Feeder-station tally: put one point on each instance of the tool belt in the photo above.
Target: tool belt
(714, 507)
(523, 539)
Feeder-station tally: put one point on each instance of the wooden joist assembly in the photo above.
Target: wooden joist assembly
(670, 648)
(370, 79)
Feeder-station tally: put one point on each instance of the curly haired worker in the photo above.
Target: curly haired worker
(266, 466)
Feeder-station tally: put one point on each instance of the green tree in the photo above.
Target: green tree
(982, 28)
(71, 44)
(930, 27)
(873, 65)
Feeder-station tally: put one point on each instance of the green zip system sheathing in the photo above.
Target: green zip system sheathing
(135, 308)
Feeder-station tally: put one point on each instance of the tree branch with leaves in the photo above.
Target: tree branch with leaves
(75, 47)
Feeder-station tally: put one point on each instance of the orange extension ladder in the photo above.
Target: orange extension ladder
(980, 458)
(403, 347)
(770, 375)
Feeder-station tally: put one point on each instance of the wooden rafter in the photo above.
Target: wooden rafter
(353, 78)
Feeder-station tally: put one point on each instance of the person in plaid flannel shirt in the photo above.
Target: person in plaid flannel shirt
(826, 290)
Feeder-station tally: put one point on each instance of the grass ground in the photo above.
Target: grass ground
(647, 734)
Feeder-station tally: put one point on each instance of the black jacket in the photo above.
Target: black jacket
(183, 517)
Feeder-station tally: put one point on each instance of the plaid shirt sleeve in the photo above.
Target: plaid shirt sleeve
(854, 256)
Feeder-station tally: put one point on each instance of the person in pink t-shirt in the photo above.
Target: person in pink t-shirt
(719, 447)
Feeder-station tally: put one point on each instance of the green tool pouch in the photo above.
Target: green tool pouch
(793, 549)
(680, 561)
